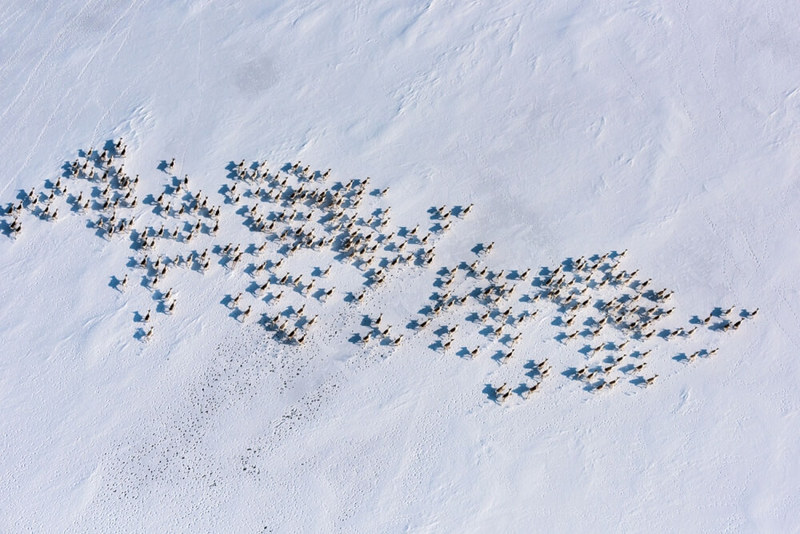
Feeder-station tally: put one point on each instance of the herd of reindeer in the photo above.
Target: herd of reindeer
(295, 208)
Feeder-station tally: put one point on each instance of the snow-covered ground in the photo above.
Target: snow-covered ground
(575, 129)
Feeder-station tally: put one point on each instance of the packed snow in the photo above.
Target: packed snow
(399, 266)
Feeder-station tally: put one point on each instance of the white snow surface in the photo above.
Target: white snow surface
(576, 128)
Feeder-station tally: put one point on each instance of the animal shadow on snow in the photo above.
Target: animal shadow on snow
(464, 352)
(521, 389)
(442, 330)
(67, 168)
(473, 317)
(570, 372)
(490, 392)
(115, 283)
(682, 358)
(638, 381)
(498, 355)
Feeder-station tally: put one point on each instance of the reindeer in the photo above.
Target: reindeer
(528, 392)
(329, 292)
(16, 227)
(260, 268)
(263, 288)
(502, 389)
(639, 367)
(310, 287)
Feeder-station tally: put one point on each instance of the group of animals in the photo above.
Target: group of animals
(592, 299)
(616, 315)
